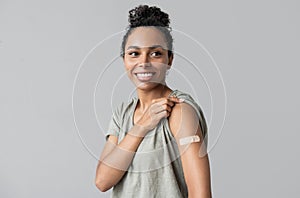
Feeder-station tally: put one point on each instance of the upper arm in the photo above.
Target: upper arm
(114, 124)
(184, 122)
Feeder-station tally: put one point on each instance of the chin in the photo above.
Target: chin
(147, 85)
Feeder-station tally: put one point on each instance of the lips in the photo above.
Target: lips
(144, 76)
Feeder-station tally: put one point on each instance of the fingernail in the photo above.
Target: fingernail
(181, 100)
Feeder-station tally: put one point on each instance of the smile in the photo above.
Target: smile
(146, 76)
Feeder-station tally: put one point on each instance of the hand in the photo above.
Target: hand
(159, 108)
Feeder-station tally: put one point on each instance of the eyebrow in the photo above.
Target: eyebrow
(151, 47)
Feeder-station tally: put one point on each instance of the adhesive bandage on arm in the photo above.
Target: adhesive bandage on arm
(189, 139)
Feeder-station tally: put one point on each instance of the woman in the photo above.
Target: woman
(153, 141)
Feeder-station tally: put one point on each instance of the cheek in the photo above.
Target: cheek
(129, 64)
(162, 66)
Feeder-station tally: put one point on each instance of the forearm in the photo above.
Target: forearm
(116, 159)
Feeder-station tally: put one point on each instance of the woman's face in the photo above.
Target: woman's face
(146, 57)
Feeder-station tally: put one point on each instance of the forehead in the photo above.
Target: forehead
(146, 37)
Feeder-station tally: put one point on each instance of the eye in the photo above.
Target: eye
(133, 53)
(156, 54)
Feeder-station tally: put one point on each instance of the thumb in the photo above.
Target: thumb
(175, 99)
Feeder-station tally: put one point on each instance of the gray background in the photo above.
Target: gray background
(42, 44)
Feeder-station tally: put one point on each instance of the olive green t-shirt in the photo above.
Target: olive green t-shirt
(156, 170)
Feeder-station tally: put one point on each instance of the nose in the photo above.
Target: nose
(144, 60)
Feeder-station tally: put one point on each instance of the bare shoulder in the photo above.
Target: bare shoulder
(183, 116)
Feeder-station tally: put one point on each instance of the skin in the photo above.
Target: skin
(146, 51)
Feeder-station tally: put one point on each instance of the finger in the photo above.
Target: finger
(162, 114)
(166, 107)
(166, 101)
(176, 100)
(162, 101)
(170, 103)
(160, 108)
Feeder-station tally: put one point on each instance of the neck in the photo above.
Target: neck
(146, 96)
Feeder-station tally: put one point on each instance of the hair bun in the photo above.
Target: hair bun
(144, 15)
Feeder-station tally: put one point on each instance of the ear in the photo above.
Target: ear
(170, 61)
(123, 59)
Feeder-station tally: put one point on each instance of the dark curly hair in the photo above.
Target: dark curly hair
(143, 15)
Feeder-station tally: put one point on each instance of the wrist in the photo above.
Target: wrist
(138, 131)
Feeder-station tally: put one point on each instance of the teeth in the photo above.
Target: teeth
(144, 74)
